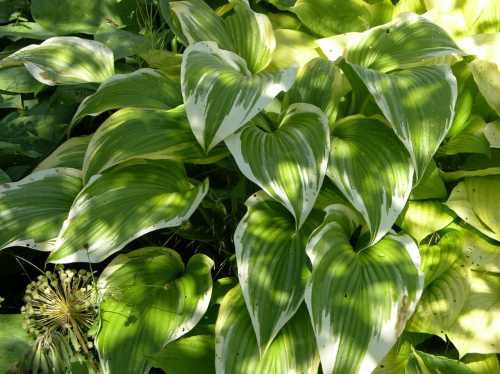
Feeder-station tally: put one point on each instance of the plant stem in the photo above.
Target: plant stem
(82, 343)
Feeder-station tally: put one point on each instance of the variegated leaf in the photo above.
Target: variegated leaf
(221, 94)
(70, 154)
(289, 163)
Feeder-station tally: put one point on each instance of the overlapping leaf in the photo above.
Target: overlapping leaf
(149, 292)
(419, 103)
(65, 60)
(237, 352)
(115, 208)
(32, 211)
(272, 264)
(359, 301)
(221, 94)
(373, 170)
(132, 91)
(289, 163)
(70, 154)
(133, 133)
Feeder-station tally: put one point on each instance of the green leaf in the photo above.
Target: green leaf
(272, 160)
(319, 82)
(425, 363)
(419, 103)
(332, 17)
(14, 340)
(70, 154)
(397, 358)
(471, 140)
(359, 301)
(29, 30)
(4, 177)
(382, 12)
(11, 101)
(195, 354)
(414, 6)
(221, 94)
(442, 301)
(272, 264)
(19, 80)
(424, 217)
(291, 46)
(131, 91)
(373, 170)
(431, 185)
(407, 40)
(237, 352)
(487, 76)
(481, 252)
(476, 329)
(482, 364)
(66, 60)
(152, 299)
(133, 133)
(436, 259)
(33, 210)
(492, 133)
(245, 32)
(64, 17)
(115, 208)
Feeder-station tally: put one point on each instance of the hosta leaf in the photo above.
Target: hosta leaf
(245, 32)
(425, 363)
(64, 17)
(483, 196)
(272, 264)
(471, 140)
(66, 60)
(481, 252)
(397, 358)
(292, 45)
(442, 301)
(476, 329)
(32, 211)
(319, 82)
(331, 17)
(18, 79)
(382, 12)
(133, 133)
(333, 47)
(115, 208)
(132, 91)
(236, 349)
(289, 163)
(414, 6)
(436, 259)
(431, 186)
(407, 39)
(359, 301)
(424, 217)
(460, 203)
(29, 30)
(482, 364)
(70, 154)
(373, 170)
(221, 94)
(492, 133)
(195, 354)
(419, 103)
(487, 76)
(151, 299)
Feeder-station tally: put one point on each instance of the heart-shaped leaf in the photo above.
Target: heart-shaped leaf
(237, 352)
(33, 210)
(373, 170)
(221, 94)
(65, 60)
(289, 163)
(151, 299)
(115, 208)
(272, 264)
(359, 301)
(133, 133)
(419, 103)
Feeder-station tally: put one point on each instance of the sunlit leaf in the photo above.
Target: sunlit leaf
(482, 364)
(293, 46)
(470, 140)
(481, 252)
(70, 154)
(151, 300)
(425, 363)
(289, 163)
(221, 94)
(33, 210)
(115, 208)
(359, 301)
(431, 185)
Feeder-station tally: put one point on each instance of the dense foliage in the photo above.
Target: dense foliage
(278, 186)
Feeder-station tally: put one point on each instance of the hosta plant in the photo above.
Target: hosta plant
(278, 186)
